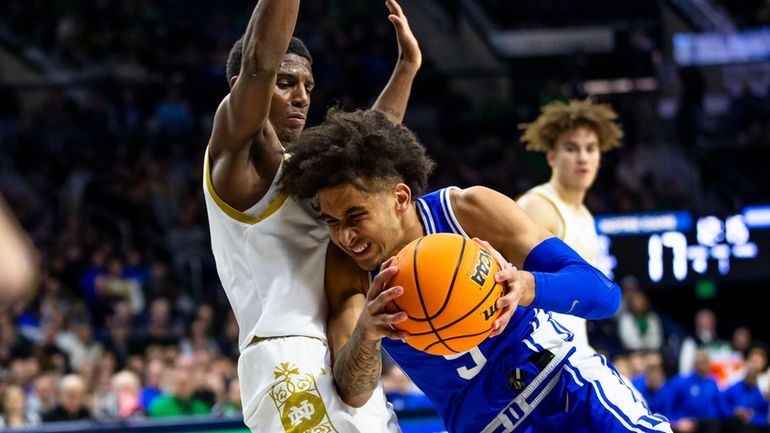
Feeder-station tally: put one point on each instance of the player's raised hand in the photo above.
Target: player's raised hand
(375, 321)
(408, 48)
(513, 282)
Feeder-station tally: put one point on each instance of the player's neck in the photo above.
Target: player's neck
(413, 224)
(570, 196)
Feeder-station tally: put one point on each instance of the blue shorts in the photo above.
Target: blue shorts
(577, 391)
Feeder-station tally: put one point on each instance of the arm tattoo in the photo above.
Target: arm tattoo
(358, 366)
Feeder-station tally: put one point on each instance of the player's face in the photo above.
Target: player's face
(364, 224)
(575, 158)
(291, 98)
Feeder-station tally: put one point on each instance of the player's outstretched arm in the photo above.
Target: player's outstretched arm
(395, 96)
(357, 323)
(242, 117)
(17, 259)
(554, 276)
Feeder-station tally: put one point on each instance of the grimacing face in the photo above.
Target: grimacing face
(575, 158)
(365, 225)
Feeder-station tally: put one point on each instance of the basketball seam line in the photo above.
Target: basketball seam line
(419, 292)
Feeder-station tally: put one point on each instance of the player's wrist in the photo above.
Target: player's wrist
(529, 288)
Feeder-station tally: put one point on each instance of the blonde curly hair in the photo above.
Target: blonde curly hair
(557, 118)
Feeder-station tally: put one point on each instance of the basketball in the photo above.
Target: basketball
(449, 293)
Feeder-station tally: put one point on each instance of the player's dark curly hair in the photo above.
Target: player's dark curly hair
(363, 148)
(234, 59)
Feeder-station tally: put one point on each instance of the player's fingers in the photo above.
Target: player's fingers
(393, 319)
(387, 263)
(398, 23)
(501, 262)
(507, 300)
(378, 304)
(506, 277)
(394, 7)
(501, 322)
(380, 281)
(395, 334)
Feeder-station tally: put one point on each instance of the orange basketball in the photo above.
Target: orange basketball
(449, 293)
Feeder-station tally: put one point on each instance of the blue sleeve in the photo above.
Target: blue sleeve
(565, 283)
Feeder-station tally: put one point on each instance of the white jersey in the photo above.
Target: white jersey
(578, 230)
(271, 260)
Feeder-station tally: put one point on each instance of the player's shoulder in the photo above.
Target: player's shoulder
(543, 212)
(476, 197)
(342, 273)
(538, 206)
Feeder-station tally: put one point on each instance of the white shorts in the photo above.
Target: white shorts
(287, 387)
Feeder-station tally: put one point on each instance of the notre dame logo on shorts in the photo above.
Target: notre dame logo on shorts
(299, 402)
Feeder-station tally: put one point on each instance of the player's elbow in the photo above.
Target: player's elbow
(356, 401)
(260, 59)
(605, 305)
(352, 398)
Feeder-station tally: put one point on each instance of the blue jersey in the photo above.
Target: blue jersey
(529, 378)
(469, 389)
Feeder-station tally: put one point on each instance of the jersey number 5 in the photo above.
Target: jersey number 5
(478, 359)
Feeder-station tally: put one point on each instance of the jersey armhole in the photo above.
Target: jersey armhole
(244, 217)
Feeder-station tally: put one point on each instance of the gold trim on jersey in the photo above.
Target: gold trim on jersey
(232, 212)
(299, 402)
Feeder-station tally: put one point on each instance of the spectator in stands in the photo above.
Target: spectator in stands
(122, 401)
(650, 385)
(694, 401)
(639, 328)
(42, 398)
(72, 401)
(745, 400)
(199, 339)
(13, 410)
(742, 340)
(154, 372)
(402, 392)
(179, 401)
(705, 338)
(232, 406)
(81, 347)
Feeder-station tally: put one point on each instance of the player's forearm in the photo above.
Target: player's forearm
(267, 35)
(565, 283)
(394, 98)
(357, 369)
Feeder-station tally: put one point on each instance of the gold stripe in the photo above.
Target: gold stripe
(232, 212)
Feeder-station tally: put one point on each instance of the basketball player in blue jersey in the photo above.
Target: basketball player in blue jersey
(573, 136)
(270, 249)
(363, 170)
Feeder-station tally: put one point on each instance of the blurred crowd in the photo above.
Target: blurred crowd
(102, 165)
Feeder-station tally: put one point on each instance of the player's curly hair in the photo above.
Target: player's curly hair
(363, 148)
(557, 118)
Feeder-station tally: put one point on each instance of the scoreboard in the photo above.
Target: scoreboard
(664, 249)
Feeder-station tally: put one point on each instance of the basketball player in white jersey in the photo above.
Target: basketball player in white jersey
(270, 249)
(573, 136)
